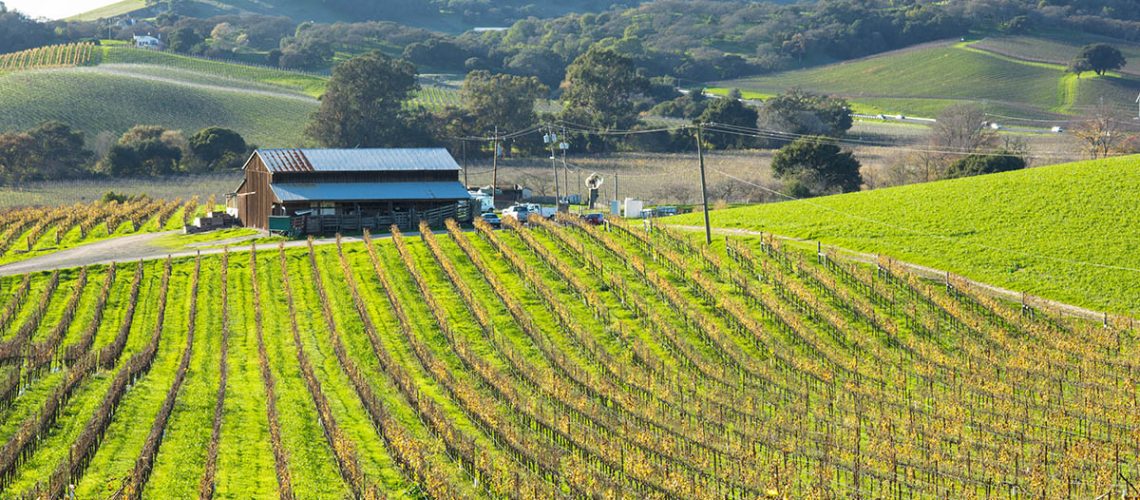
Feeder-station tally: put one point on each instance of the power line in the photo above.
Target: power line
(780, 135)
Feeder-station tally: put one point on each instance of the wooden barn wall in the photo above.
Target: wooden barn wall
(254, 209)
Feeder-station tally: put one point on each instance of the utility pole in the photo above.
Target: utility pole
(466, 180)
(494, 167)
(551, 138)
(704, 187)
(564, 146)
(581, 192)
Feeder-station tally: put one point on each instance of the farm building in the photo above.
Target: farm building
(148, 42)
(310, 191)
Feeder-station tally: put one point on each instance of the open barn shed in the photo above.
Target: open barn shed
(313, 191)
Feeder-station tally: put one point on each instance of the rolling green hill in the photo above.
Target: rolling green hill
(1057, 47)
(923, 80)
(115, 98)
(126, 86)
(1066, 232)
(439, 15)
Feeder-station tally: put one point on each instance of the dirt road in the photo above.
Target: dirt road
(135, 247)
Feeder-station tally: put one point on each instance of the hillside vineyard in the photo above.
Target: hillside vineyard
(556, 360)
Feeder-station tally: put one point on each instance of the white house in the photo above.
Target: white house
(148, 42)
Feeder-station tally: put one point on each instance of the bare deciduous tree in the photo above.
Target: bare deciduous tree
(1100, 133)
(962, 128)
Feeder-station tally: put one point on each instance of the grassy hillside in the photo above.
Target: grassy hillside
(128, 86)
(1066, 232)
(923, 80)
(111, 10)
(309, 84)
(547, 361)
(1057, 47)
(116, 98)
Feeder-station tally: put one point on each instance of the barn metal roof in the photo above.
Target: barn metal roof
(357, 160)
(369, 191)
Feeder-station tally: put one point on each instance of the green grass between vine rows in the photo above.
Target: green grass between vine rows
(1066, 232)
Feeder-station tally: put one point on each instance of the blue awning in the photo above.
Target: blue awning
(369, 191)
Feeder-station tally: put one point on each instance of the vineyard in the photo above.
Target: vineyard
(52, 56)
(26, 232)
(556, 360)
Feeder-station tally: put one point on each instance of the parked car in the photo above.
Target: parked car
(492, 219)
(518, 212)
(595, 219)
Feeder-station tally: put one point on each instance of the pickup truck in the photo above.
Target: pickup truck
(523, 210)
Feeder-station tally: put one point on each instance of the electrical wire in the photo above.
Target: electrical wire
(779, 135)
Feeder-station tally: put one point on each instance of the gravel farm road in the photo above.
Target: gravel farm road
(136, 247)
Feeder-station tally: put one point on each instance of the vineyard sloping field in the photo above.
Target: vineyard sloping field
(559, 360)
(112, 88)
(1066, 232)
(921, 81)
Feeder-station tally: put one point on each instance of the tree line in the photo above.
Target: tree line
(733, 38)
(55, 151)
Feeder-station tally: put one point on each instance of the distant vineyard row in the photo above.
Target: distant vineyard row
(549, 361)
(24, 231)
(52, 56)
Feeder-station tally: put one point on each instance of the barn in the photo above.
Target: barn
(314, 191)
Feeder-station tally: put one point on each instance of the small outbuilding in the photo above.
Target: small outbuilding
(148, 42)
(313, 191)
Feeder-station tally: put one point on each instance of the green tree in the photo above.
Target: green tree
(364, 103)
(728, 111)
(503, 101)
(814, 166)
(805, 113)
(59, 151)
(16, 156)
(1098, 58)
(979, 164)
(218, 147)
(50, 151)
(604, 86)
(145, 151)
(183, 39)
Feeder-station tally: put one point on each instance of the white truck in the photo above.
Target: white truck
(522, 211)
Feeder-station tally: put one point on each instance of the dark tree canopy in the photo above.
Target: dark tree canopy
(504, 101)
(49, 151)
(218, 147)
(19, 32)
(145, 151)
(728, 111)
(806, 113)
(184, 39)
(604, 86)
(364, 103)
(815, 166)
(979, 164)
(1098, 58)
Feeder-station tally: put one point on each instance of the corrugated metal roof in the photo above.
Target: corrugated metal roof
(362, 191)
(357, 160)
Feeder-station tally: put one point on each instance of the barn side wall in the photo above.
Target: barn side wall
(255, 199)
